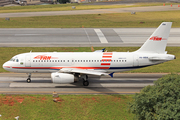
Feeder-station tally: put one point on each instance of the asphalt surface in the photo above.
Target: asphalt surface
(123, 83)
(80, 37)
(96, 11)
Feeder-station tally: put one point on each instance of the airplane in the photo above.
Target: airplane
(68, 67)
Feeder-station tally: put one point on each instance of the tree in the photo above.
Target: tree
(160, 101)
(63, 1)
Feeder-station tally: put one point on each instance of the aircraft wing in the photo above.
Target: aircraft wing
(82, 71)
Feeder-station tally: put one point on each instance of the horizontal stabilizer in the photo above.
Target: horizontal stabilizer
(162, 58)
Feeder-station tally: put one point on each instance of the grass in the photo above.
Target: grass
(116, 20)
(167, 67)
(69, 107)
(68, 7)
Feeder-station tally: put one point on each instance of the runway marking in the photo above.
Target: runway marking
(118, 34)
(101, 36)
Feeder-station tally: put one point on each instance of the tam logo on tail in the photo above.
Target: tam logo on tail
(156, 38)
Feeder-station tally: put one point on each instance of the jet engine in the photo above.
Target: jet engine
(63, 78)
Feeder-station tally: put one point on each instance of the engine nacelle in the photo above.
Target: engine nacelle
(63, 78)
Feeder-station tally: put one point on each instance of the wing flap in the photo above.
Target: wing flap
(82, 71)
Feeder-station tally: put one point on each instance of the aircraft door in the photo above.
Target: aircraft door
(28, 61)
(136, 60)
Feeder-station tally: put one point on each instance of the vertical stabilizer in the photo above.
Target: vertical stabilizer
(157, 42)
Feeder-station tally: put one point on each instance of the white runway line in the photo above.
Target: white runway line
(118, 33)
(101, 36)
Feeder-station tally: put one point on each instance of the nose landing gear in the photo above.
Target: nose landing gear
(29, 78)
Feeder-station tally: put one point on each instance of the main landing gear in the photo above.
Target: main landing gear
(29, 78)
(85, 80)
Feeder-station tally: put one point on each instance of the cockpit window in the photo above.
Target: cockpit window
(14, 60)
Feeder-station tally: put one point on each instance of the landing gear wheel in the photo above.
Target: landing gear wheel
(28, 80)
(86, 83)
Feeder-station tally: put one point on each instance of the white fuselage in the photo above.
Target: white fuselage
(45, 62)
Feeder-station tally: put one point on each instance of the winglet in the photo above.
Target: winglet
(103, 49)
(111, 74)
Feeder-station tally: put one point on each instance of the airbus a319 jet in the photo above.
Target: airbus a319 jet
(67, 67)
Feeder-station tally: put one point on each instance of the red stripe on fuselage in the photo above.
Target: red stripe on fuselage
(105, 63)
(107, 53)
(60, 67)
(7, 66)
(107, 56)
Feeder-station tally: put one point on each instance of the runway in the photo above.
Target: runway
(96, 11)
(122, 83)
(80, 37)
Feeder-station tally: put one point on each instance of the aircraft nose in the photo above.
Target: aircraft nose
(5, 66)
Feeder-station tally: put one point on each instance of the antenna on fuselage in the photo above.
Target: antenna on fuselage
(30, 51)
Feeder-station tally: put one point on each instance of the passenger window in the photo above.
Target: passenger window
(64, 61)
(122, 60)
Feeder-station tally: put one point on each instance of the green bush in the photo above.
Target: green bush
(160, 101)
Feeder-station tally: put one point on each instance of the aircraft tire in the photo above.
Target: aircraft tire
(28, 80)
(85, 83)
